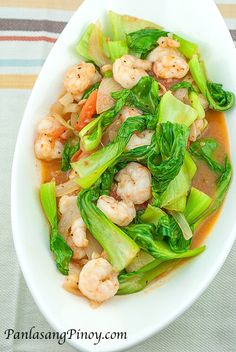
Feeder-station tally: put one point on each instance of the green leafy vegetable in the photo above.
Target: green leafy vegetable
(107, 178)
(222, 186)
(183, 224)
(68, 151)
(120, 248)
(138, 280)
(174, 198)
(82, 46)
(176, 240)
(183, 84)
(58, 246)
(92, 141)
(143, 41)
(204, 149)
(143, 235)
(171, 142)
(152, 215)
(91, 168)
(122, 24)
(141, 259)
(196, 104)
(116, 49)
(143, 96)
(217, 97)
(91, 45)
(93, 130)
(193, 97)
(108, 74)
(173, 110)
(157, 217)
(187, 48)
(90, 90)
(197, 204)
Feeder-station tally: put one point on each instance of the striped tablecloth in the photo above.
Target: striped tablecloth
(28, 29)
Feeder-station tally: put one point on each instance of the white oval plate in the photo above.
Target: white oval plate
(143, 314)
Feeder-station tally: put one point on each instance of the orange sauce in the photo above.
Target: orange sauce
(205, 179)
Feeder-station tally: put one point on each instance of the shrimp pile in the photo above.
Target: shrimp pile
(47, 146)
(128, 70)
(80, 77)
(168, 62)
(98, 281)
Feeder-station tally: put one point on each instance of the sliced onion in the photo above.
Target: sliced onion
(66, 99)
(95, 46)
(104, 99)
(182, 95)
(93, 246)
(63, 122)
(66, 188)
(183, 224)
(56, 108)
(71, 108)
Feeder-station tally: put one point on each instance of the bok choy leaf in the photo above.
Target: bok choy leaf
(121, 249)
(62, 252)
(143, 96)
(223, 183)
(143, 235)
(204, 149)
(186, 48)
(67, 153)
(173, 110)
(171, 142)
(123, 24)
(137, 280)
(116, 49)
(143, 41)
(218, 98)
(91, 168)
(91, 45)
(193, 97)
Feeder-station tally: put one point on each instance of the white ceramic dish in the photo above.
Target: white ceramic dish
(145, 313)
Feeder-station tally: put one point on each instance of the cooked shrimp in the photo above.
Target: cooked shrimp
(72, 280)
(80, 77)
(78, 252)
(165, 42)
(168, 62)
(134, 183)
(127, 112)
(47, 146)
(139, 139)
(69, 213)
(128, 70)
(170, 67)
(98, 280)
(78, 231)
(204, 102)
(124, 114)
(71, 218)
(120, 213)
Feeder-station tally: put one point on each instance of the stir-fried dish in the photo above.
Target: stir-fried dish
(131, 166)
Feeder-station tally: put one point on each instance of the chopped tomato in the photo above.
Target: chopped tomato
(79, 155)
(188, 144)
(88, 111)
